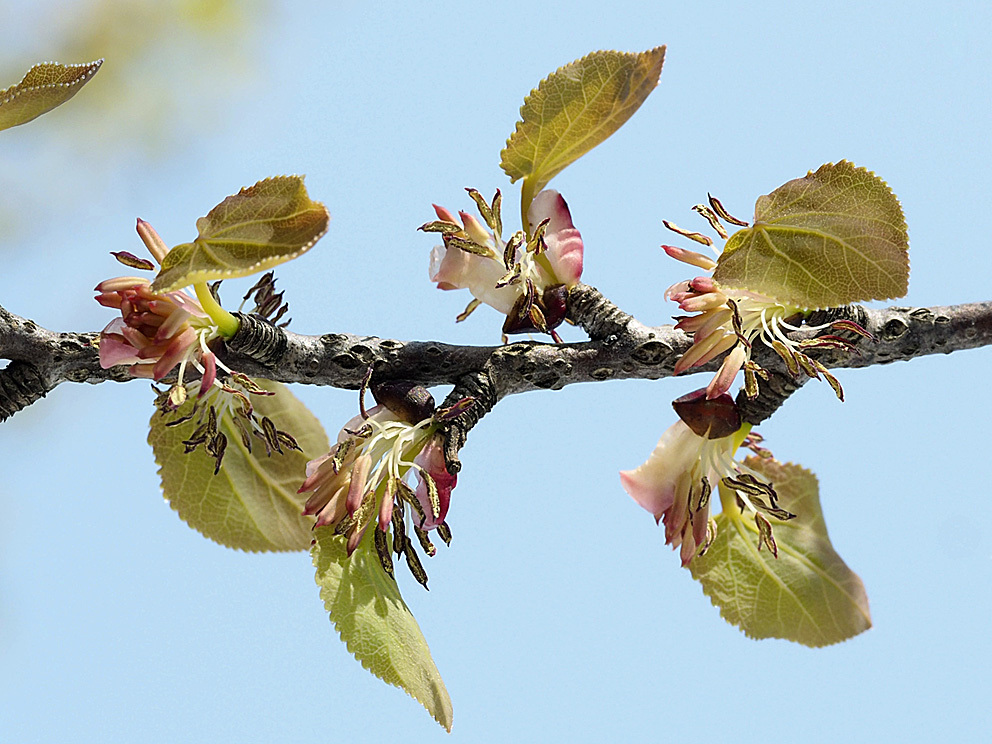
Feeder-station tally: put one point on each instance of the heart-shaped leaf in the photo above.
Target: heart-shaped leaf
(828, 239)
(44, 87)
(251, 504)
(574, 109)
(807, 594)
(373, 620)
(261, 226)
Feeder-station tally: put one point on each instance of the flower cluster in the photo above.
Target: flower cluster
(156, 331)
(160, 331)
(363, 479)
(727, 320)
(527, 278)
(694, 456)
(730, 320)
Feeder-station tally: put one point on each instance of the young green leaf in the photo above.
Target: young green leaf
(373, 620)
(574, 109)
(251, 504)
(44, 87)
(807, 594)
(261, 226)
(831, 238)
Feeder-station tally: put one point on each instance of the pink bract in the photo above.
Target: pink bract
(564, 240)
(431, 459)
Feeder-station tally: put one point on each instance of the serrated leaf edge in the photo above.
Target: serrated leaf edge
(520, 123)
(95, 64)
(190, 279)
(747, 535)
(903, 226)
(328, 606)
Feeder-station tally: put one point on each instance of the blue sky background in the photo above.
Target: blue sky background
(557, 614)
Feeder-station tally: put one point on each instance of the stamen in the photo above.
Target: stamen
(722, 211)
(361, 392)
(695, 236)
(712, 218)
(382, 550)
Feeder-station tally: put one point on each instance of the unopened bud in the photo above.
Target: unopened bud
(713, 419)
(155, 245)
(692, 258)
(411, 402)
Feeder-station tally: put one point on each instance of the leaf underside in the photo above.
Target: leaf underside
(831, 238)
(375, 623)
(576, 108)
(251, 504)
(44, 87)
(259, 227)
(807, 594)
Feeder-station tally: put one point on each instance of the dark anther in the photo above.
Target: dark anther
(425, 542)
(288, 440)
(382, 548)
(271, 434)
(269, 304)
(399, 528)
(132, 261)
(444, 532)
(533, 314)
(413, 561)
(217, 446)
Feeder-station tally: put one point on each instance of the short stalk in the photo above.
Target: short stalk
(526, 197)
(740, 435)
(226, 323)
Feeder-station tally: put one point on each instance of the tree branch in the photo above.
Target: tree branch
(620, 348)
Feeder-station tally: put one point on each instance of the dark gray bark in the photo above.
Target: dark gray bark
(619, 348)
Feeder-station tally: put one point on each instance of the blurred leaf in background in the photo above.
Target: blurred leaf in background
(145, 106)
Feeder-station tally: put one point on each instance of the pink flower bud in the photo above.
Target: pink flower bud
(155, 245)
(690, 257)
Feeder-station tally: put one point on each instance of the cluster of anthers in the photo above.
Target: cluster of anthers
(363, 479)
(527, 278)
(730, 320)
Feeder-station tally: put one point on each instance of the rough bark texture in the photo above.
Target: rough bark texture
(619, 348)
